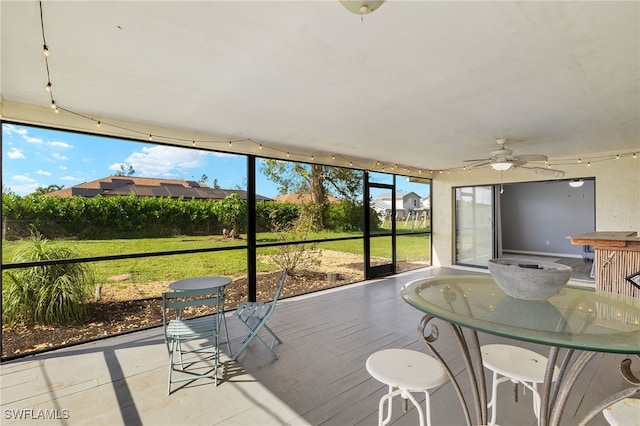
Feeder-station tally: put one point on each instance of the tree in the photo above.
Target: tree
(216, 185)
(42, 190)
(203, 179)
(232, 212)
(317, 180)
(128, 172)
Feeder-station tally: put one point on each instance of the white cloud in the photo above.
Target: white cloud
(10, 129)
(31, 139)
(59, 144)
(23, 179)
(63, 167)
(162, 160)
(59, 157)
(43, 173)
(15, 154)
(71, 178)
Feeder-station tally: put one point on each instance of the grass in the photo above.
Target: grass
(228, 263)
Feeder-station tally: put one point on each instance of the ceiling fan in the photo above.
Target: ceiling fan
(503, 159)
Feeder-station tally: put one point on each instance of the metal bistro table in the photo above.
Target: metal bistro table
(581, 320)
(215, 284)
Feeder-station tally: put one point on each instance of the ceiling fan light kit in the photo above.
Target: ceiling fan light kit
(576, 183)
(361, 7)
(503, 159)
(501, 166)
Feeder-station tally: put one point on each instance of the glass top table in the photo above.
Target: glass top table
(580, 320)
(577, 318)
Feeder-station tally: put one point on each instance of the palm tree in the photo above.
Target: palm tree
(42, 190)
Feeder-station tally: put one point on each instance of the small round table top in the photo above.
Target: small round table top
(200, 283)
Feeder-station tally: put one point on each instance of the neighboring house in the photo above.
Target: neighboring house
(149, 187)
(295, 198)
(406, 202)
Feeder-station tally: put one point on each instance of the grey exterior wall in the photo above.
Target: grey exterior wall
(540, 216)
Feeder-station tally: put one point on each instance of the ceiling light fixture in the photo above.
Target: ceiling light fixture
(361, 7)
(576, 183)
(501, 166)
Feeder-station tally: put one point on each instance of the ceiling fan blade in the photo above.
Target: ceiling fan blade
(477, 159)
(532, 157)
(480, 163)
(545, 171)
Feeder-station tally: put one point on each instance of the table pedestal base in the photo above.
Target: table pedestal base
(554, 396)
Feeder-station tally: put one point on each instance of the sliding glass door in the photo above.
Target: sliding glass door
(475, 239)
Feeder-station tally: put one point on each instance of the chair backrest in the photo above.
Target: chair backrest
(272, 307)
(178, 300)
(280, 285)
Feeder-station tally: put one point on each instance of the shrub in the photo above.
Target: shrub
(47, 294)
(296, 257)
(345, 216)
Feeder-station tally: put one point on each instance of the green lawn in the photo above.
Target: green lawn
(229, 263)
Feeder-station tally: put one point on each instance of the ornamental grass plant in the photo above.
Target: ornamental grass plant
(47, 294)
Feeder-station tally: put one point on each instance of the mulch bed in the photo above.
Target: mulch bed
(109, 317)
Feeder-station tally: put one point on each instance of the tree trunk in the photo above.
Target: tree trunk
(318, 193)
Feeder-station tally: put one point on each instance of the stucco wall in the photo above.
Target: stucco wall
(617, 196)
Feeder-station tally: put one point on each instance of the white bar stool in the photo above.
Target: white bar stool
(405, 371)
(623, 413)
(518, 365)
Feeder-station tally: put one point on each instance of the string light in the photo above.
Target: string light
(49, 89)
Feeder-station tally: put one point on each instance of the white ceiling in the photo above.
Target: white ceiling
(419, 83)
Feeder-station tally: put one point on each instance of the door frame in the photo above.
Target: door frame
(376, 271)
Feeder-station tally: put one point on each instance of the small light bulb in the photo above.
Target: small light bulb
(260, 146)
(333, 157)
(229, 143)
(45, 50)
(53, 104)
(150, 137)
(287, 155)
(47, 88)
(98, 124)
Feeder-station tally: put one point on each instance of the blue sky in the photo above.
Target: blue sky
(33, 157)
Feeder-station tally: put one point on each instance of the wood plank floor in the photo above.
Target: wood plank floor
(319, 378)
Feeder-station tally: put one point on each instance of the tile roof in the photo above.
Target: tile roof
(149, 187)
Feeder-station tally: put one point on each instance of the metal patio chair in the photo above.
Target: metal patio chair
(195, 341)
(254, 316)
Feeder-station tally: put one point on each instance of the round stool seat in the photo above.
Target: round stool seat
(623, 413)
(407, 369)
(518, 365)
(516, 362)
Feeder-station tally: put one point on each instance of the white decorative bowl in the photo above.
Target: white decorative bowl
(529, 280)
